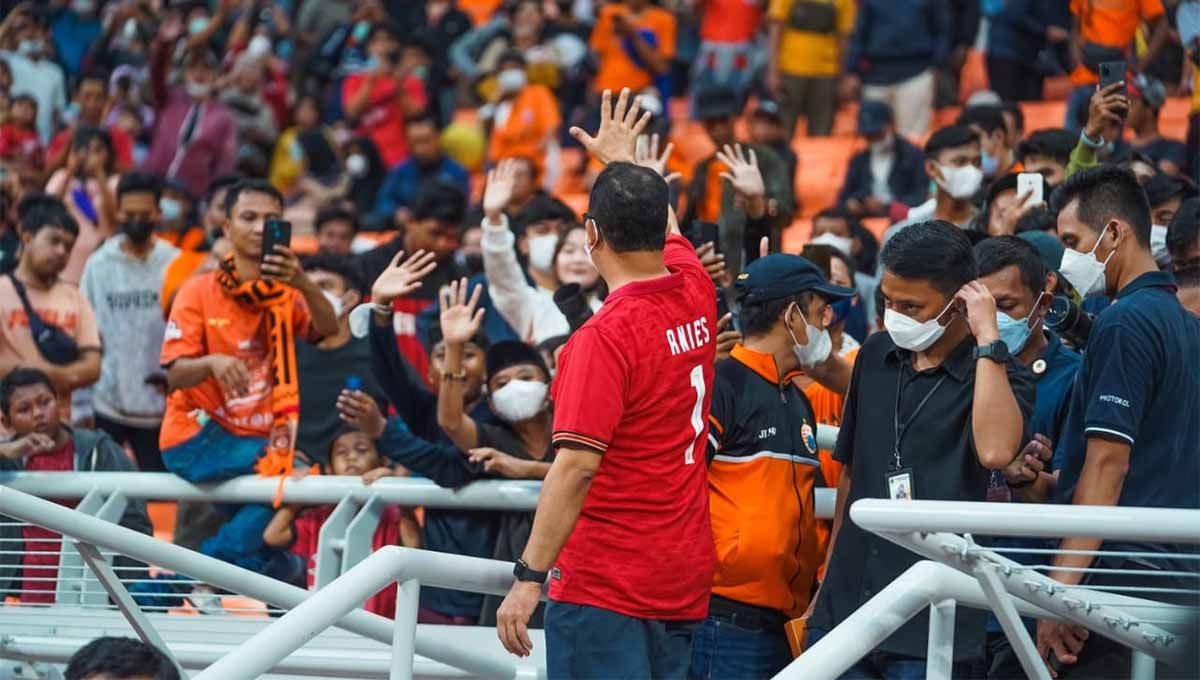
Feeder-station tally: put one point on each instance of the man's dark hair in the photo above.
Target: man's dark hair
(38, 211)
(119, 658)
(760, 318)
(335, 264)
(383, 27)
(336, 213)
(1187, 278)
(542, 208)
(1163, 187)
(629, 204)
(97, 74)
(1014, 109)
(139, 183)
(949, 137)
(880, 303)
(222, 182)
(21, 377)
(837, 213)
(422, 118)
(1184, 230)
(251, 185)
(1054, 143)
(24, 98)
(987, 117)
(1037, 219)
(1103, 193)
(998, 252)
(934, 251)
(441, 201)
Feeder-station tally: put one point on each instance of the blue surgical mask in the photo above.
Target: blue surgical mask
(990, 164)
(171, 209)
(1015, 332)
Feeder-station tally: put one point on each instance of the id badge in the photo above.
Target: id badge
(900, 484)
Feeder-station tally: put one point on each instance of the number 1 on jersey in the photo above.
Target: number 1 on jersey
(697, 378)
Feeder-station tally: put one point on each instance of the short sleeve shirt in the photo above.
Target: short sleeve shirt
(937, 446)
(634, 384)
(205, 320)
(618, 62)
(1139, 384)
(63, 305)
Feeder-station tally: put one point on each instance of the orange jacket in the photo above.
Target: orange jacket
(530, 127)
(763, 466)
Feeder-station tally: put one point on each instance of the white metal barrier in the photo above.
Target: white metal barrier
(963, 572)
(90, 534)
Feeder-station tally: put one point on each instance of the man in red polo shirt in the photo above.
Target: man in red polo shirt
(622, 527)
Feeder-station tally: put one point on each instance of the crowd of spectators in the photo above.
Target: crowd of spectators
(426, 156)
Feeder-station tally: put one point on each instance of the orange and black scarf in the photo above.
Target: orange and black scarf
(275, 299)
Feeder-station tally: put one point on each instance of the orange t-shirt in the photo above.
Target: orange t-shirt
(480, 11)
(532, 123)
(63, 305)
(1111, 23)
(191, 239)
(617, 68)
(205, 320)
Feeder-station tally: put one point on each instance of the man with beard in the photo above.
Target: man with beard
(122, 280)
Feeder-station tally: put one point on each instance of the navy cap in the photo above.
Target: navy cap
(767, 109)
(716, 101)
(1049, 248)
(872, 117)
(778, 275)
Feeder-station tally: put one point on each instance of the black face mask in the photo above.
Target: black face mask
(138, 231)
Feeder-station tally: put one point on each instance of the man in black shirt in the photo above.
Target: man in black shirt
(933, 405)
(337, 362)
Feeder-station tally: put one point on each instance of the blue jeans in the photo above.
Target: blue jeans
(879, 665)
(213, 455)
(590, 642)
(723, 650)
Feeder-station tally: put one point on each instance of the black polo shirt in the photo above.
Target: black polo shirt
(938, 447)
(1140, 384)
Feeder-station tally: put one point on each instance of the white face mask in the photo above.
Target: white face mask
(1158, 244)
(910, 334)
(1083, 270)
(356, 165)
(842, 243)
(818, 347)
(588, 247)
(541, 251)
(511, 80)
(30, 48)
(170, 208)
(335, 301)
(259, 47)
(196, 90)
(961, 183)
(520, 400)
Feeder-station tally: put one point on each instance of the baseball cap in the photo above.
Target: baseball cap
(716, 101)
(767, 108)
(872, 117)
(779, 275)
(507, 353)
(1049, 248)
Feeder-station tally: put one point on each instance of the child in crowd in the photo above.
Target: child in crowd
(18, 136)
(353, 452)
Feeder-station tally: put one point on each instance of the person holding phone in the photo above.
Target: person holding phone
(229, 352)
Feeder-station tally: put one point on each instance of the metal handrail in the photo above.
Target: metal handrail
(92, 531)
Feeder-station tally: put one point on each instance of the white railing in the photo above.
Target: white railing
(963, 572)
(89, 534)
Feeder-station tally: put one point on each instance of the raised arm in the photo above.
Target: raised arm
(400, 277)
(510, 293)
(460, 322)
(996, 420)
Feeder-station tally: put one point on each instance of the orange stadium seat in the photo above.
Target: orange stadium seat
(822, 168)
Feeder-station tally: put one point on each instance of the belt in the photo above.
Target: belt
(742, 615)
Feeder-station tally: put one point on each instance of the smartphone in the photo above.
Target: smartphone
(704, 232)
(276, 232)
(1031, 183)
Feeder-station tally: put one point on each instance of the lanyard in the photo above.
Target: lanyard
(901, 428)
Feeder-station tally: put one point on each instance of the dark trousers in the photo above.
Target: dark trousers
(143, 441)
(1014, 81)
(590, 642)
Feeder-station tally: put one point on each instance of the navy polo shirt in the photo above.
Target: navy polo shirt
(1139, 383)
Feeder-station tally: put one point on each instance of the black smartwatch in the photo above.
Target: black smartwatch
(997, 352)
(522, 572)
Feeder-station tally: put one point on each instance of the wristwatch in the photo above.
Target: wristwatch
(522, 572)
(997, 352)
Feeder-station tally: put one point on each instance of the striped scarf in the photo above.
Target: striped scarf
(275, 299)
